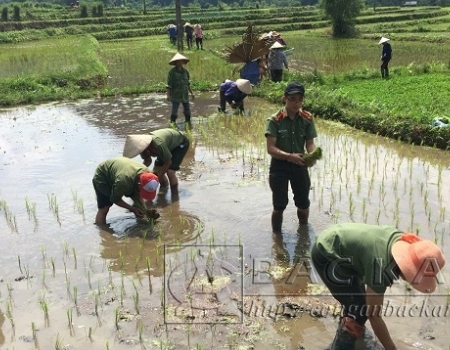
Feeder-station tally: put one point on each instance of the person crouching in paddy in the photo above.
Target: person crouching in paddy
(168, 145)
(118, 177)
(234, 93)
(357, 262)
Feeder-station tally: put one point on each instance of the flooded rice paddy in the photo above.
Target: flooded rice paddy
(208, 274)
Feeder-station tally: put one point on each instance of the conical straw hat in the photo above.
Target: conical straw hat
(276, 45)
(244, 86)
(178, 57)
(135, 144)
(383, 40)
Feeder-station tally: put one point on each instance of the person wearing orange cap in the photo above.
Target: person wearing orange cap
(118, 177)
(357, 262)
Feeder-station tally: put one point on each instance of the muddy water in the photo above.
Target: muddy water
(82, 287)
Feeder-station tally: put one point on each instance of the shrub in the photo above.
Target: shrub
(84, 11)
(16, 15)
(5, 14)
(100, 10)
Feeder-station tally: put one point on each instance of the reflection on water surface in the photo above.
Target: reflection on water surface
(48, 157)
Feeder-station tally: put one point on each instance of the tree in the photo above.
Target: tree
(342, 14)
(16, 13)
(5, 14)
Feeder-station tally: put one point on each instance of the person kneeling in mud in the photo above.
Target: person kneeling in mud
(234, 93)
(357, 262)
(118, 177)
(169, 146)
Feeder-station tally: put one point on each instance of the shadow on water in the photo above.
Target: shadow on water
(48, 157)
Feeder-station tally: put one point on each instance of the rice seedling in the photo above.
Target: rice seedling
(75, 296)
(53, 206)
(80, 208)
(117, 318)
(20, 265)
(44, 306)
(9, 314)
(147, 261)
(89, 279)
(31, 209)
(141, 332)
(74, 197)
(70, 317)
(34, 335)
(59, 343)
(52, 262)
(74, 254)
(44, 274)
(136, 298)
(90, 334)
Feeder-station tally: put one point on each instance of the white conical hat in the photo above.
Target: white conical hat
(178, 57)
(135, 144)
(383, 40)
(244, 86)
(276, 45)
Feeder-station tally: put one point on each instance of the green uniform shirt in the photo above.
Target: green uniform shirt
(166, 141)
(368, 246)
(116, 177)
(291, 134)
(178, 82)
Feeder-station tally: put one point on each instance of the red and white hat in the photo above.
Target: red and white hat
(148, 185)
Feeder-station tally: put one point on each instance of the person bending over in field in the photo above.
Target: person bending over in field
(118, 177)
(169, 146)
(357, 262)
(234, 93)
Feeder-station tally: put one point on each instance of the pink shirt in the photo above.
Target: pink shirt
(198, 32)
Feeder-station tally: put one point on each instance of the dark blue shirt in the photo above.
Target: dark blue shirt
(231, 92)
(386, 54)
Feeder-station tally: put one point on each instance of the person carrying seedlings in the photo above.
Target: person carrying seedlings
(169, 146)
(178, 87)
(198, 36)
(234, 92)
(276, 61)
(118, 177)
(386, 56)
(189, 30)
(289, 134)
(357, 262)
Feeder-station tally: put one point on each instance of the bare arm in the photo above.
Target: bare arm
(121, 203)
(164, 169)
(169, 92)
(374, 304)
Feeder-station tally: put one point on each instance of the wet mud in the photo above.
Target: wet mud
(209, 273)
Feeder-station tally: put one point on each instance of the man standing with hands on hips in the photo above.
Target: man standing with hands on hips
(290, 134)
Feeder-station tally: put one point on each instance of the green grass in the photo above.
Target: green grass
(145, 62)
(419, 97)
(50, 70)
